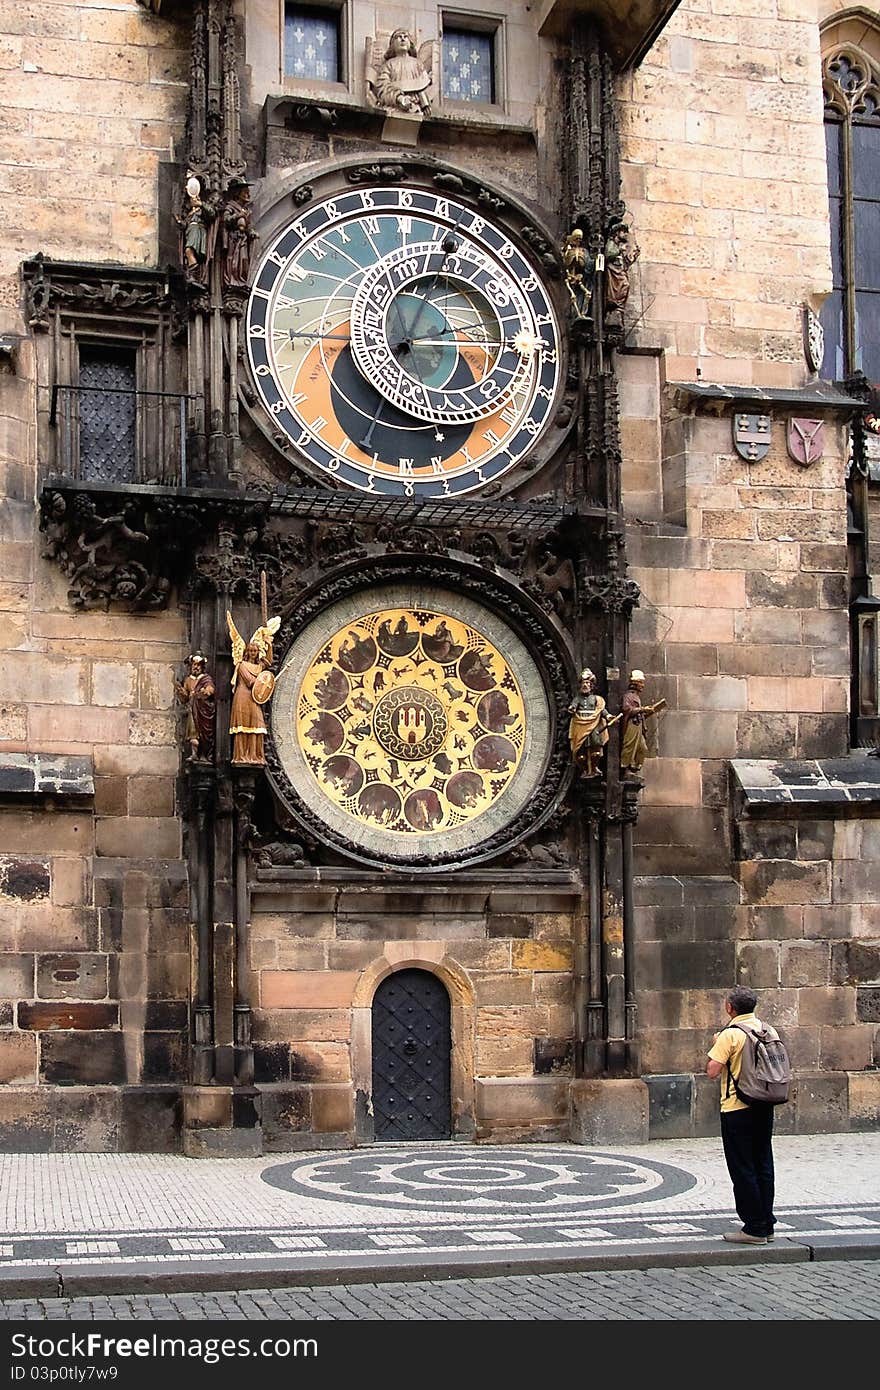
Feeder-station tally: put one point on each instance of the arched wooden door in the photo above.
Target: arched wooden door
(412, 1044)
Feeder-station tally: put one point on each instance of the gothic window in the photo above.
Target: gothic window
(468, 62)
(312, 43)
(851, 314)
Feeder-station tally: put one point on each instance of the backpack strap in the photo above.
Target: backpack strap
(730, 1080)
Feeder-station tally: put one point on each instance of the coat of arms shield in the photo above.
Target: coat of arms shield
(805, 440)
(751, 436)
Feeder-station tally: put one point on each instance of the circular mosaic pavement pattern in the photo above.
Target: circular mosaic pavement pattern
(477, 1180)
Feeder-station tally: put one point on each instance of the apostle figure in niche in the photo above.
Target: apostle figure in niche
(588, 727)
(198, 693)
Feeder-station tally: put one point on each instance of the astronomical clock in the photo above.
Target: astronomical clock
(404, 341)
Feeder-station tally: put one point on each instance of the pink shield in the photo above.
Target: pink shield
(805, 439)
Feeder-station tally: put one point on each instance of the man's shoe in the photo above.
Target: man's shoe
(743, 1238)
(771, 1235)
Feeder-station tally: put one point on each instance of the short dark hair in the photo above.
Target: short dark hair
(742, 999)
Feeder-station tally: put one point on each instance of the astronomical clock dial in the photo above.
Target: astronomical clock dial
(411, 724)
(403, 343)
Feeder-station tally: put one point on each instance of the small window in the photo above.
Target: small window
(107, 412)
(851, 313)
(468, 65)
(312, 47)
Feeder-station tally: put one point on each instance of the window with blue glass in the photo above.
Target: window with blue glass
(468, 65)
(312, 49)
(851, 313)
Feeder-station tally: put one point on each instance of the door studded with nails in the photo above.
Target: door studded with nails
(411, 1057)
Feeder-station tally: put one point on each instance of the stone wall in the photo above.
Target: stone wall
(799, 922)
(93, 900)
(724, 174)
(505, 956)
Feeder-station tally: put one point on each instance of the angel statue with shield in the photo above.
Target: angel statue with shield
(252, 685)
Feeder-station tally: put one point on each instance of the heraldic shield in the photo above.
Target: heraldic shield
(751, 436)
(805, 440)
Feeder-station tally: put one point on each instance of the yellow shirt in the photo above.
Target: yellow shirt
(727, 1049)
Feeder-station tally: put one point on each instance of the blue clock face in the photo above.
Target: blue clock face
(403, 343)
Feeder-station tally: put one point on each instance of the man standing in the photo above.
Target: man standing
(746, 1129)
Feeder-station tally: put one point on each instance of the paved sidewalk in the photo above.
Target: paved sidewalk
(85, 1224)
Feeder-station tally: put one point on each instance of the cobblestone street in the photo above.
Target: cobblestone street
(832, 1290)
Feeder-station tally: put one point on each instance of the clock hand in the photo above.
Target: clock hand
(366, 442)
(338, 337)
(447, 246)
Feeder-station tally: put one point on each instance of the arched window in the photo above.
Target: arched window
(851, 314)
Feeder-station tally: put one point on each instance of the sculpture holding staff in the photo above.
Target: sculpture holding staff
(253, 684)
(588, 727)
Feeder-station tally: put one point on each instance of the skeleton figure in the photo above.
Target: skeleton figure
(577, 266)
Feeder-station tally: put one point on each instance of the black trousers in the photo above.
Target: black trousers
(747, 1136)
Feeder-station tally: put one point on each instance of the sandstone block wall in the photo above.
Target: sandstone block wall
(505, 956)
(94, 965)
(798, 921)
(724, 174)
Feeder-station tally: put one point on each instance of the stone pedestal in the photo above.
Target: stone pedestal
(222, 1122)
(609, 1112)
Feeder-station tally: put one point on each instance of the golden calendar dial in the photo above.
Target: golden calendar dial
(409, 723)
(411, 720)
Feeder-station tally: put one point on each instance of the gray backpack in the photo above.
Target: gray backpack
(765, 1069)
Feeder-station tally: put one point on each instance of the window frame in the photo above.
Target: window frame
(303, 85)
(842, 111)
(468, 21)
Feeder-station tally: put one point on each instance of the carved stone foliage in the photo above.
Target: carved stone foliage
(544, 646)
(114, 550)
(297, 554)
(610, 593)
(78, 288)
(130, 547)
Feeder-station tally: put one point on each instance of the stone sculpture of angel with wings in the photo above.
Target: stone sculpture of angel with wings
(400, 77)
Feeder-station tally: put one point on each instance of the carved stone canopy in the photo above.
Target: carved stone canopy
(84, 287)
(628, 30)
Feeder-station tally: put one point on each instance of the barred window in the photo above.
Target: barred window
(107, 411)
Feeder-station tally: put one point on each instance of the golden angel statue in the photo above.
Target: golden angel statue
(252, 685)
(400, 75)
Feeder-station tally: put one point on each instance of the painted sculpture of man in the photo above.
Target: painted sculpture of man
(194, 234)
(401, 79)
(588, 729)
(633, 743)
(236, 235)
(198, 693)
